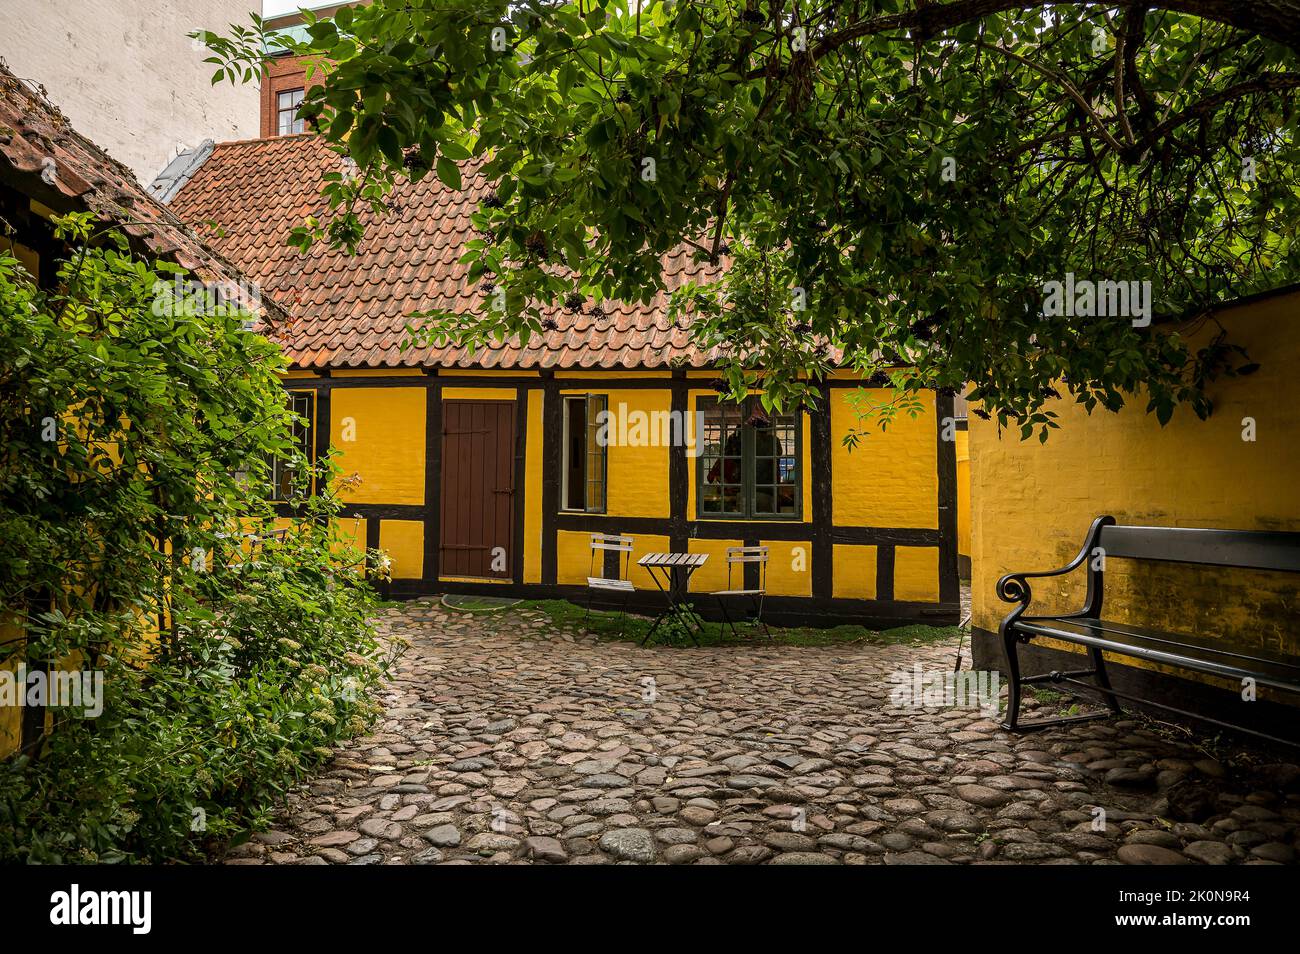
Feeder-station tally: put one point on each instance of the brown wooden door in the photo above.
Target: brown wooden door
(478, 489)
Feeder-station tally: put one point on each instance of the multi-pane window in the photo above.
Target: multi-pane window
(584, 454)
(750, 463)
(283, 469)
(286, 111)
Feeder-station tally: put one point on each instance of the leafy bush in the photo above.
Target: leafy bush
(136, 427)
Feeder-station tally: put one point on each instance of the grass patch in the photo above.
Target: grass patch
(607, 625)
(1064, 703)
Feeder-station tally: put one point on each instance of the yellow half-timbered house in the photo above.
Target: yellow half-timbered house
(488, 471)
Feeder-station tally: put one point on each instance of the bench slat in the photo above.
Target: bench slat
(1251, 549)
(1174, 649)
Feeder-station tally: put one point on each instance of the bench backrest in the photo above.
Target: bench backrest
(1251, 549)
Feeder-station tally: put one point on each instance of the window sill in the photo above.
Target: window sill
(736, 518)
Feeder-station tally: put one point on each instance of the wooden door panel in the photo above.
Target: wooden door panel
(478, 488)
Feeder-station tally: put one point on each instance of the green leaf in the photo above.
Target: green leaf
(448, 172)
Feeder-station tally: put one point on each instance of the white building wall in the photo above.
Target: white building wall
(127, 76)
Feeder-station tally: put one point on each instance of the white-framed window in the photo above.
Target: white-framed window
(286, 112)
(583, 463)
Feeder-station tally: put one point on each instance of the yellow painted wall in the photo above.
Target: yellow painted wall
(573, 558)
(637, 482)
(713, 574)
(890, 479)
(963, 493)
(479, 394)
(786, 576)
(789, 567)
(27, 257)
(1033, 503)
(916, 574)
(403, 540)
(855, 572)
(643, 543)
(388, 450)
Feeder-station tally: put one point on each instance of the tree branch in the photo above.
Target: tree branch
(1275, 20)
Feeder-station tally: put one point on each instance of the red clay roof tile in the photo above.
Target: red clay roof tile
(351, 311)
(43, 156)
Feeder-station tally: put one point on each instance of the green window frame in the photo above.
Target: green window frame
(751, 464)
(584, 462)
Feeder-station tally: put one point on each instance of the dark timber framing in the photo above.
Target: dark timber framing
(680, 527)
(432, 479)
(520, 486)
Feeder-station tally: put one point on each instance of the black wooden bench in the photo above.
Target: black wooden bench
(1253, 549)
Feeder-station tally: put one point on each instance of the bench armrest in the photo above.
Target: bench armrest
(1014, 587)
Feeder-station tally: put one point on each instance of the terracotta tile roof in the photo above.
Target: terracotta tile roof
(43, 157)
(351, 311)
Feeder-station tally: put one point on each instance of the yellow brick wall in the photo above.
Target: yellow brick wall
(403, 540)
(637, 482)
(573, 558)
(713, 574)
(916, 574)
(855, 572)
(1033, 503)
(789, 567)
(963, 492)
(644, 543)
(890, 479)
(386, 451)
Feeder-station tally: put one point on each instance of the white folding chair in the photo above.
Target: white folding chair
(741, 557)
(602, 543)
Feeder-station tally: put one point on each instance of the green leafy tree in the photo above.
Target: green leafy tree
(888, 183)
(137, 419)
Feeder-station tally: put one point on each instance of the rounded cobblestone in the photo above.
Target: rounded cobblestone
(506, 740)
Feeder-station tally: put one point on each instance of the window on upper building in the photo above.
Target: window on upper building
(583, 474)
(286, 111)
(284, 469)
(749, 466)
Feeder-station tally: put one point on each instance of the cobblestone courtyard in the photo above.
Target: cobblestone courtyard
(506, 740)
